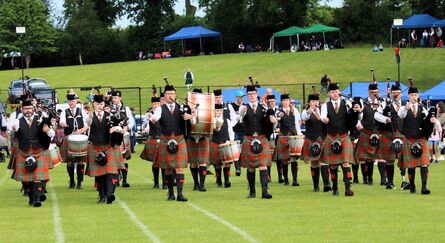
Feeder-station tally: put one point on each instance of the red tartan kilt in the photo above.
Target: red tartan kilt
(59, 136)
(165, 160)
(114, 160)
(214, 158)
(198, 153)
(408, 160)
(64, 153)
(385, 148)
(41, 173)
(150, 149)
(346, 156)
(364, 150)
(250, 160)
(281, 151)
(14, 152)
(306, 155)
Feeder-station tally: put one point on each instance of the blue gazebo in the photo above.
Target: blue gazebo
(414, 22)
(193, 32)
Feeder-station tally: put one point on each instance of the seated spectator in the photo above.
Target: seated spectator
(258, 48)
(380, 47)
(304, 46)
(293, 48)
(440, 43)
(241, 47)
(375, 49)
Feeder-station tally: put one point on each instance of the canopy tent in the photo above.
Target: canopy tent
(291, 31)
(361, 89)
(193, 32)
(321, 28)
(440, 23)
(414, 22)
(229, 95)
(436, 93)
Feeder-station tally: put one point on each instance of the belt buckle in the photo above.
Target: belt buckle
(255, 134)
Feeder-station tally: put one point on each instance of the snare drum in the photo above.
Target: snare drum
(77, 145)
(205, 113)
(229, 152)
(54, 152)
(295, 145)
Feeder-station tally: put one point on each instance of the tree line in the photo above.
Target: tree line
(86, 32)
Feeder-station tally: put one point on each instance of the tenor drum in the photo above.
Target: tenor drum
(127, 140)
(295, 145)
(77, 145)
(205, 114)
(229, 152)
(54, 152)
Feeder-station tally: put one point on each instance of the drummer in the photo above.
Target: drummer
(198, 157)
(289, 125)
(74, 120)
(123, 112)
(313, 143)
(220, 136)
(255, 152)
(271, 103)
(238, 129)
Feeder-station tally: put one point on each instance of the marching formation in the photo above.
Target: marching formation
(203, 131)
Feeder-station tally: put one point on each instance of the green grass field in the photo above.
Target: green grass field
(344, 66)
(295, 214)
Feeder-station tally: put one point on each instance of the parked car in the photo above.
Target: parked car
(40, 89)
(141, 136)
(15, 90)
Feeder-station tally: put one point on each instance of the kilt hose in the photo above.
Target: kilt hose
(64, 153)
(198, 153)
(306, 155)
(281, 151)
(41, 173)
(385, 148)
(346, 156)
(115, 160)
(165, 160)
(150, 149)
(365, 151)
(251, 160)
(408, 160)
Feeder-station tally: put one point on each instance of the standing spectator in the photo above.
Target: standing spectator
(133, 130)
(439, 33)
(413, 39)
(188, 76)
(432, 37)
(441, 117)
(424, 38)
(434, 140)
(241, 47)
(324, 84)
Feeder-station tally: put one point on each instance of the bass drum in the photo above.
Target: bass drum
(205, 114)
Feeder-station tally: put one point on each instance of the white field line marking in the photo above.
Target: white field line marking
(237, 230)
(135, 219)
(4, 178)
(56, 215)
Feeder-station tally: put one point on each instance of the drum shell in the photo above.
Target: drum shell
(77, 145)
(229, 152)
(295, 145)
(205, 113)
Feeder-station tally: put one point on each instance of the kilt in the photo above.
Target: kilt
(198, 153)
(114, 160)
(126, 152)
(214, 158)
(64, 153)
(306, 153)
(165, 160)
(385, 148)
(249, 159)
(59, 136)
(364, 150)
(150, 149)
(408, 160)
(41, 173)
(14, 152)
(345, 156)
(354, 142)
(281, 151)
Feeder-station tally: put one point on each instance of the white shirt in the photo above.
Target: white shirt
(4, 123)
(131, 122)
(403, 111)
(413, 35)
(85, 117)
(297, 119)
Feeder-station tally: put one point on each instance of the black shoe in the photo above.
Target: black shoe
(355, 181)
(37, 204)
(196, 187)
(227, 184)
(125, 185)
(412, 189)
(101, 200)
(156, 186)
(295, 183)
(72, 184)
(79, 185)
(266, 195)
(349, 193)
(383, 182)
(110, 199)
(164, 187)
(425, 191)
(43, 198)
(316, 189)
(171, 197)
(365, 181)
(335, 192)
(404, 185)
(202, 188)
(281, 180)
(251, 195)
(327, 188)
(181, 198)
(238, 172)
(370, 182)
(286, 183)
(390, 186)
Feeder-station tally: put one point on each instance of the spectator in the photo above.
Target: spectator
(134, 130)
(293, 48)
(440, 43)
(425, 38)
(413, 39)
(258, 48)
(439, 33)
(189, 77)
(324, 84)
(141, 55)
(433, 142)
(241, 47)
(441, 117)
(380, 47)
(304, 46)
(432, 37)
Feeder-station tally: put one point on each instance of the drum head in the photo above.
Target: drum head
(78, 138)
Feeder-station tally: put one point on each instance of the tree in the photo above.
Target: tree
(32, 14)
